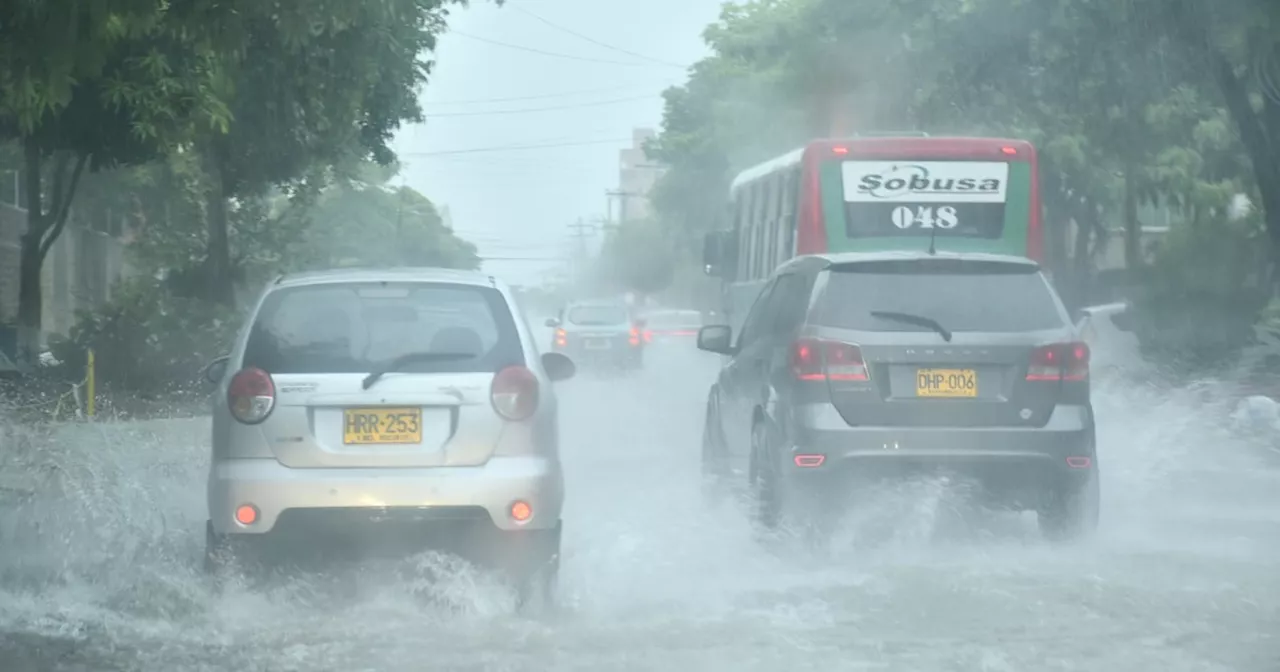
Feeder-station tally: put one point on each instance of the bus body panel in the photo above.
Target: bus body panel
(820, 220)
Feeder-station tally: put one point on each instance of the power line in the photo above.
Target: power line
(597, 103)
(509, 148)
(550, 53)
(594, 41)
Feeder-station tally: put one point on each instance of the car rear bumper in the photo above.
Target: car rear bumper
(345, 497)
(623, 352)
(1009, 461)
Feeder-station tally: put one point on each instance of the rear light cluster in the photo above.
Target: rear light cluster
(514, 393)
(1060, 361)
(562, 338)
(635, 337)
(251, 396)
(818, 359)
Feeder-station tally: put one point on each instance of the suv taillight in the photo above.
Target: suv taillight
(251, 395)
(818, 359)
(1060, 361)
(562, 338)
(514, 393)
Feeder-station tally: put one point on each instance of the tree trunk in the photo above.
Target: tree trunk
(30, 296)
(1260, 142)
(44, 225)
(1132, 227)
(221, 285)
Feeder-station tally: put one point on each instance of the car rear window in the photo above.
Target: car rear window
(587, 316)
(355, 327)
(966, 296)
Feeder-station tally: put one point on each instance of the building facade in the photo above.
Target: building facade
(637, 174)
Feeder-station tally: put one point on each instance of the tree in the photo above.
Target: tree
(358, 223)
(89, 86)
(308, 93)
(638, 257)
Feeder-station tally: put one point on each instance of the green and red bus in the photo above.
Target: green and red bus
(873, 194)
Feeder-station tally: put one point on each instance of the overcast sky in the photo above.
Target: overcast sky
(571, 76)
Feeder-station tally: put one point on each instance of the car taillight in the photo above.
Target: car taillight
(648, 336)
(1060, 361)
(251, 396)
(635, 336)
(562, 337)
(514, 393)
(817, 359)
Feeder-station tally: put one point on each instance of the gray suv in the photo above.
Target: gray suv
(855, 366)
(412, 402)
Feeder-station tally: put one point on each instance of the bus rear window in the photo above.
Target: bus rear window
(955, 199)
(355, 327)
(986, 297)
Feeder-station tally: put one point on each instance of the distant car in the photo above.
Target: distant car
(409, 401)
(599, 333)
(672, 326)
(866, 365)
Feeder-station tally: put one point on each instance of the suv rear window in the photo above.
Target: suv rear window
(587, 316)
(965, 296)
(354, 327)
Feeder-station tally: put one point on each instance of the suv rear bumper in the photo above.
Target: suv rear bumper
(349, 495)
(1013, 463)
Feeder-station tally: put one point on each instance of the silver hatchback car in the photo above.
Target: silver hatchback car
(409, 401)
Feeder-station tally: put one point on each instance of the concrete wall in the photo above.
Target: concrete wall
(79, 273)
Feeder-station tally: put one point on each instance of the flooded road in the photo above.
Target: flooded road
(101, 535)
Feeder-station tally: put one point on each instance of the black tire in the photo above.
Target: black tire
(532, 561)
(1073, 514)
(537, 592)
(226, 556)
(766, 479)
(714, 461)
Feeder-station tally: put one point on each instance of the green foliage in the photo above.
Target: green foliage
(1132, 103)
(640, 258)
(367, 224)
(1203, 292)
(147, 341)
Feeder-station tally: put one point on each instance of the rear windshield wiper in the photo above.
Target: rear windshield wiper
(918, 320)
(383, 369)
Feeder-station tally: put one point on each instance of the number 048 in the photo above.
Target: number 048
(926, 217)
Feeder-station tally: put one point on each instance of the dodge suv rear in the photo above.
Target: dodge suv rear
(886, 364)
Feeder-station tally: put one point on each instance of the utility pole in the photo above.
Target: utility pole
(581, 232)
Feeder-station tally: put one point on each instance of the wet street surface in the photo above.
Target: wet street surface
(101, 534)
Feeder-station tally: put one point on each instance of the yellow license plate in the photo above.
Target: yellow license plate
(381, 425)
(946, 383)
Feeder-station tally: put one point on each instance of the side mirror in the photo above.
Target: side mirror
(716, 338)
(216, 370)
(552, 322)
(558, 366)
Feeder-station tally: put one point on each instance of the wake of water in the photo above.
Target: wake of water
(101, 533)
